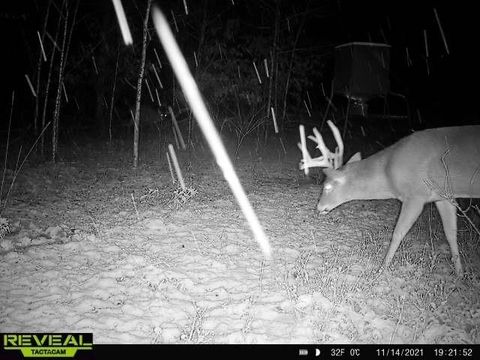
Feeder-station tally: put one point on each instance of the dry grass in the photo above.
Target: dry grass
(416, 297)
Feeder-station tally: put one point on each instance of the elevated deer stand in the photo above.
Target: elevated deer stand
(362, 73)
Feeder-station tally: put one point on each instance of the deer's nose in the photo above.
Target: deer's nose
(323, 209)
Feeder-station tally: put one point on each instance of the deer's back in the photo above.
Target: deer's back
(433, 162)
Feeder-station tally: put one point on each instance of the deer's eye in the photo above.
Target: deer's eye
(327, 187)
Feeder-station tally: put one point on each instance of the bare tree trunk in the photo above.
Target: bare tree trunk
(39, 72)
(61, 71)
(58, 98)
(203, 28)
(47, 87)
(272, 86)
(272, 61)
(113, 98)
(274, 70)
(290, 66)
(136, 120)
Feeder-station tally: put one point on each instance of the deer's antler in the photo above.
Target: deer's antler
(328, 159)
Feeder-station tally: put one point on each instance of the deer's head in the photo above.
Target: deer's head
(338, 181)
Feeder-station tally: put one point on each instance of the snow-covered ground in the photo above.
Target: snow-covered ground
(97, 247)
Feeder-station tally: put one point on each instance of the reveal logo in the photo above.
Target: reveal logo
(47, 345)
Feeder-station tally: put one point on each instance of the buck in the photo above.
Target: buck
(434, 165)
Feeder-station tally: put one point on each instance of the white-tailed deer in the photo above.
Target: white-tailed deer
(435, 165)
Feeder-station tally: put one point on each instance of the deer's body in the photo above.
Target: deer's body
(434, 165)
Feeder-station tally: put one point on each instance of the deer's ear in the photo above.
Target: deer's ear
(330, 173)
(355, 157)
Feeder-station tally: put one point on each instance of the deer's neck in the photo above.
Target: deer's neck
(370, 179)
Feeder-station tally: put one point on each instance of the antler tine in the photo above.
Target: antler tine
(338, 156)
(322, 161)
(303, 148)
(320, 144)
(328, 159)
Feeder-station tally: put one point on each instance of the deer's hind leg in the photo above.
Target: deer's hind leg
(448, 213)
